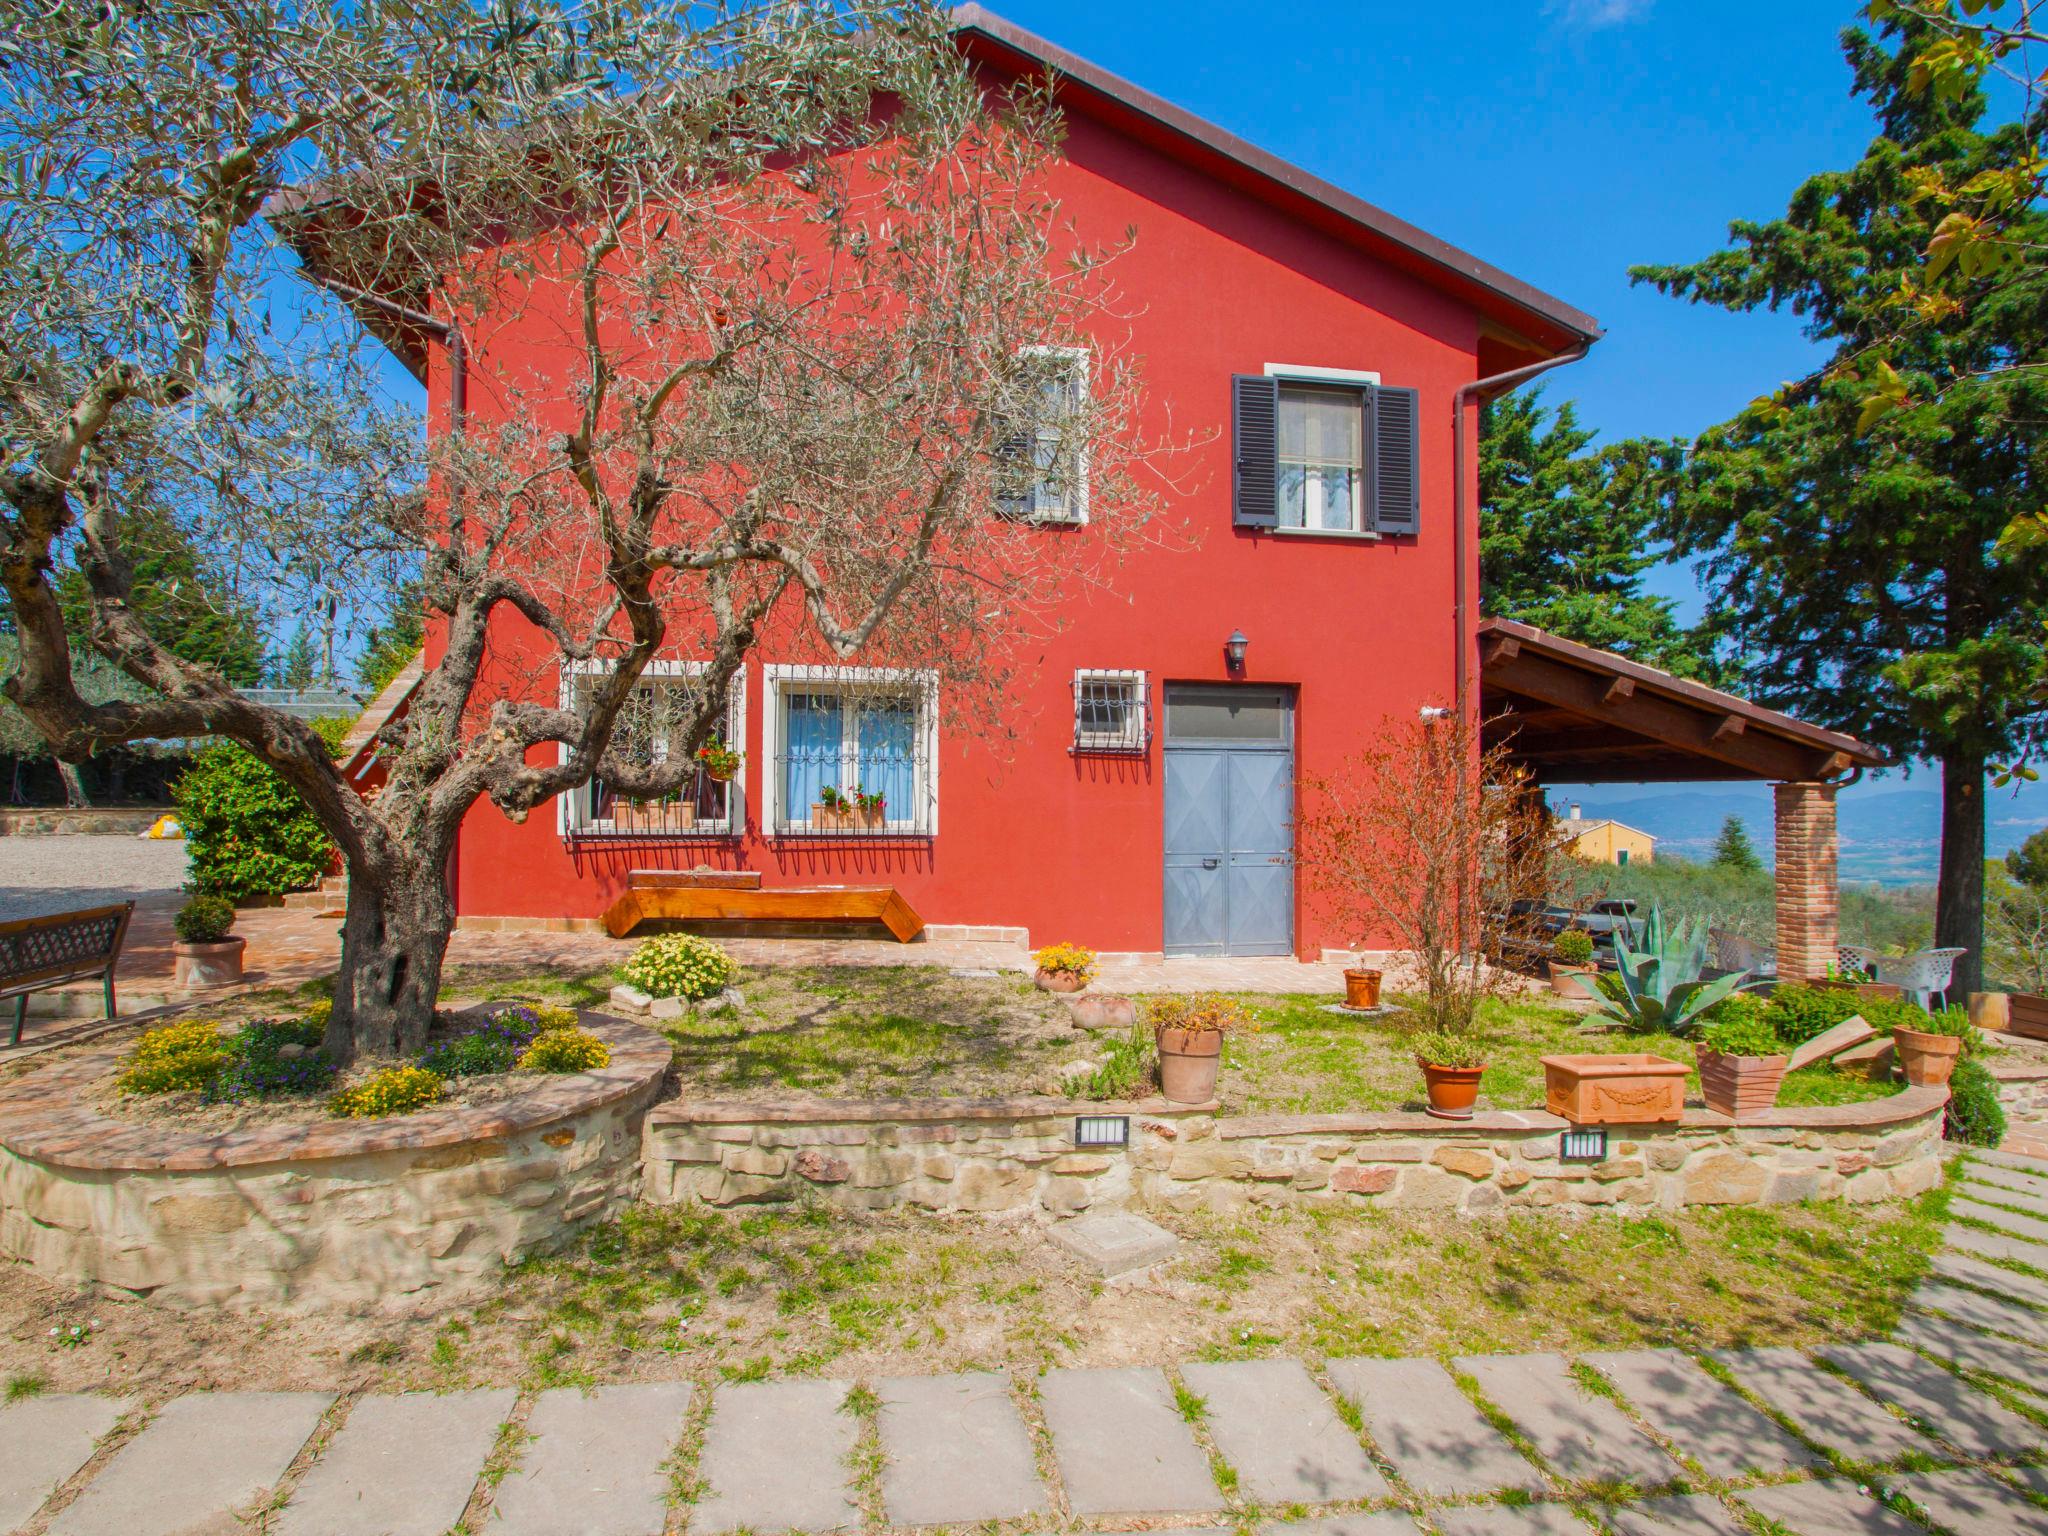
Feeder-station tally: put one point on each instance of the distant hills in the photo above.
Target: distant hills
(1892, 836)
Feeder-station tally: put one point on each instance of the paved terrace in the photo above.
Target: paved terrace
(1867, 1439)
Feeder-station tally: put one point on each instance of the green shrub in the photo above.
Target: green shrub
(176, 1058)
(565, 1050)
(1444, 1048)
(1573, 947)
(1800, 1014)
(1953, 1022)
(680, 965)
(247, 832)
(393, 1091)
(204, 920)
(1126, 1070)
(1742, 1034)
(1975, 1117)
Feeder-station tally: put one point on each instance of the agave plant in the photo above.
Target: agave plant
(1660, 986)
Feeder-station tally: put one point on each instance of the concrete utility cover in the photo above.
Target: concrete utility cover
(1115, 1242)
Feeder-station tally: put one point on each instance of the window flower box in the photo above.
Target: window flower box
(847, 818)
(1631, 1088)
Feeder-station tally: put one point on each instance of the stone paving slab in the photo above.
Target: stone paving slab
(1281, 1433)
(400, 1465)
(1968, 1503)
(1699, 1415)
(1511, 1520)
(1385, 1522)
(207, 1457)
(1995, 1245)
(775, 1458)
(43, 1440)
(2009, 1160)
(1688, 1514)
(1974, 1351)
(1982, 1311)
(1965, 1418)
(594, 1466)
(1978, 1187)
(957, 1451)
(1822, 1405)
(1122, 1446)
(2011, 1223)
(1581, 1435)
(2008, 1178)
(1437, 1440)
(2009, 1283)
(1829, 1508)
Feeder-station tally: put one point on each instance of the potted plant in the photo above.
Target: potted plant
(206, 954)
(1064, 967)
(1452, 1062)
(719, 761)
(1627, 1088)
(1742, 1062)
(832, 811)
(1928, 1056)
(869, 809)
(1188, 1032)
(1571, 964)
(1361, 988)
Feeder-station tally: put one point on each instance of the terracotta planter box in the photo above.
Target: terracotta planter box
(825, 818)
(208, 965)
(1633, 1088)
(1741, 1085)
(1572, 980)
(2026, 1013)
(1926, 1060)
(1058, 981)
(1361, 989)
(1451, 1091)
(1103, 1010)
(1188, 1060)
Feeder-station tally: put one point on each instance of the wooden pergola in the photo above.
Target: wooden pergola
(1571, 714)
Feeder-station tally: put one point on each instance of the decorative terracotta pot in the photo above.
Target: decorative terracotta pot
(1741, 1085)
(2026, 1014)
(1188, 1059)
(1452, 1090)
(719, 776)
(1926, 1059)
(1059, 981)
(208, 965)
(1631, 1088)
(1991, 1010)
(1361, 989)
(1572, 980)
(1103, 1010)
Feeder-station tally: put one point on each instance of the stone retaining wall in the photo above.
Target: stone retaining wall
(75, 821)
(1010, 1153)
(349, 1214)
(2022, 1088)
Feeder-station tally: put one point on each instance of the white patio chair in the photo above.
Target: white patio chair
(1733, 952)
(1853, 960)
(1921, 974)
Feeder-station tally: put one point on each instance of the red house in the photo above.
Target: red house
(1326, 578)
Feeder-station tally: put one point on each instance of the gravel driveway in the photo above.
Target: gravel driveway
(62, 874)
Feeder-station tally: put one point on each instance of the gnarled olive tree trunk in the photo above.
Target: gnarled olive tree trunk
(393, 943)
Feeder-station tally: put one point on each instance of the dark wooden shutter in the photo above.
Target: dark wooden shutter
(1393, 422)
(1016, 475)
(1255, 445)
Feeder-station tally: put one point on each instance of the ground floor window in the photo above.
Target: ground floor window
(652, 729)
(853, 751)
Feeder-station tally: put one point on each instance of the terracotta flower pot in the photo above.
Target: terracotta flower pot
(1572, 980)
(1741, 1085)
(1188, 1059)
(1927, 1059)
(208, 965)
(1361, 989)
(1059, 981)
(1103, 1010)
(1452, 1090)
(1630, 1088)
(719, 776)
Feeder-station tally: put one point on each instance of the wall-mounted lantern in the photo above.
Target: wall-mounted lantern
(1234, 649)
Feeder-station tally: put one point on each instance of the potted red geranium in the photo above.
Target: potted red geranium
(718, 760)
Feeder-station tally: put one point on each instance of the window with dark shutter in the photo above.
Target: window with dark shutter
(1255, 430)
(1396, 479)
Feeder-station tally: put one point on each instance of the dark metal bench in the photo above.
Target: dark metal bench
(39, 952)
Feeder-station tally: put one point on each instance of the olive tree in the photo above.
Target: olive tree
(791, 304)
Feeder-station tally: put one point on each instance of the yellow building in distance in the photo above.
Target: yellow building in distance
(1607, 842)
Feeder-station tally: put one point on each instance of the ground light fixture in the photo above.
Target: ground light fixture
(1234, 649)
(1102, 1130)
(1582, 1144)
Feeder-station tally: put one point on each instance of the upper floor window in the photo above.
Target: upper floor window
(652, 727)
(1322, 458)
(1045, 477)
(1323, 453)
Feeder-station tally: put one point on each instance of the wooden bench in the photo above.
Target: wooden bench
(736, 896)
(39, 952)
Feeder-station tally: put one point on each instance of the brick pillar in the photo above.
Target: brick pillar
(1809, 901)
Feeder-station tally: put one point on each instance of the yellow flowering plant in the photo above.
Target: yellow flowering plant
(393, 1091)
(1073, 959)
(565, 1050)
(176, 1058)
(680, 965)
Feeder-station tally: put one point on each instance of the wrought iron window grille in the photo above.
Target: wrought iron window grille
(652, 729)
(1112, 713)
(854, 754)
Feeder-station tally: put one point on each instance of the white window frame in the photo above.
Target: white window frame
(567, 821)
(1312, 480)
(1137, 699)
(776, 679)
(1077, 514)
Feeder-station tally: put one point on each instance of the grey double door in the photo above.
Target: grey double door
(1229, 820)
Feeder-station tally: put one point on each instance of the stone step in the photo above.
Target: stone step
(2009, 1160)
(776, 1457)
(1696, 1413)
(2010, 1223)
(2006, 1178)
(1982, 1311)
(203, 1463)
(1965, 1418)
(1281, 1434)
(1976, 1187)
(1685, 1514)
(402, 1465)
(2009, 1283)
(43, 1440)
(1967, 1349)
(1511, 1520)
(1830, 1508)
(1122, 1446)
(1582, 1436)
(956, 1452)
(1437, 1440)
(594, 1463)
(1995, 1245)
(1385, 1522)
(1968, 1503)
(1825, 1409)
